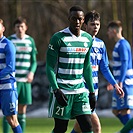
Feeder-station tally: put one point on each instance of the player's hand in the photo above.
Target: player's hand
(60, 97)
(110, 87)
(30, 77)
(119, 90)
(92, 100)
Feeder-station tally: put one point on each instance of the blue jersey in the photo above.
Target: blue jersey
(99, 60)
(122, 63)
(7, 64)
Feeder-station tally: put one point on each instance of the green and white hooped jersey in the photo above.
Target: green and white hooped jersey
(24, 49)
(71, 52)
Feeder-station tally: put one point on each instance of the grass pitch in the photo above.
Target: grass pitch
(45, 125)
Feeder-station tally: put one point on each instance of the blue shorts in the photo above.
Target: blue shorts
(9, 102)
(123, 103)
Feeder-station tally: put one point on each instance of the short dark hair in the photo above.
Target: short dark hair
(92, 16)
(20, 20)
(76, 8)
(115, 24)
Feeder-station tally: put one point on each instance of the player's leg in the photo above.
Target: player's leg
(24, 99)
(22, 115)
(5, 125)
(12, 120)
(118, 115)
(60, 114)
(116, 106)
(76, 128)
(85, 123)
(95, 123)
(9, 108)
(60, 125)
(82, 112)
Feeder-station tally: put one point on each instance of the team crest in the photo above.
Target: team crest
(96, 50)
(85, 44)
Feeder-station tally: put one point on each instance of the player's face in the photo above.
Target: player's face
(76, 19)
(20, 29)
(2, 29)
(110, 33)
(92, 27)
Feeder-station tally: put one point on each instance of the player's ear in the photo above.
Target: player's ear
(3, 28)
(85, 25)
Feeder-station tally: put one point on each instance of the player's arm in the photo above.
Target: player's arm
(33, 63)
(87, 73)
(51, 60)
(50, 65)
(104, 68)
(10, 60)
(33, 57)
(124, 61)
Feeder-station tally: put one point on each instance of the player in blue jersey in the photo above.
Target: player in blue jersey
(25, 68)
(123, 72)
(99, 61)
(8, 91)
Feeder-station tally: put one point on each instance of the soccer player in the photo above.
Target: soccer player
(8, 91)
(99, 61)
(25, 68)
(70, 50)
(123, 72)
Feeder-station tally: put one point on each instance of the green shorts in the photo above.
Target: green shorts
(78, 104)
(24, 93)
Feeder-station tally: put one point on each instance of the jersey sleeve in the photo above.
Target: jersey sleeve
(87, 72)
(10, 60)
(104, 67)
(51, 60)
(33, 57)
(124, 60)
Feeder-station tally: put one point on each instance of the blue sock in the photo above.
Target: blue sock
(17, 129)
(73, 131)
(126, 118)
(120, 117)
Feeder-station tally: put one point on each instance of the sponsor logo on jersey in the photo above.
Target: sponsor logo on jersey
(73, 49)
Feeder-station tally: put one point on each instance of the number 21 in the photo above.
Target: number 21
(59, 111)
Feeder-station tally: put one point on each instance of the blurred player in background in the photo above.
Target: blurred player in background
(99, 60)
(8, 91)
(123, 72)
(25, 68)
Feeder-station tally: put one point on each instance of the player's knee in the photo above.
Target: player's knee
(97, 129)
(60, 126)
(85, 123)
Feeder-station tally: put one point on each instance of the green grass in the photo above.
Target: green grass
(45, 125)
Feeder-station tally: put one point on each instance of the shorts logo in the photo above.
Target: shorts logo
(85, 107)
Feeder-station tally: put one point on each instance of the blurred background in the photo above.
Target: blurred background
(45, 17)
